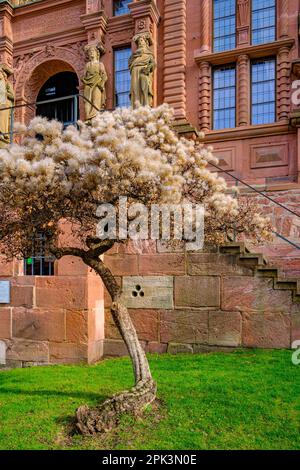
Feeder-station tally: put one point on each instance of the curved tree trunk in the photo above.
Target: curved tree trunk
(105, 416)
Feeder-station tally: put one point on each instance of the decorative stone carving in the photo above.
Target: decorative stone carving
(283, 83)
(205, 96)
(243, 19)
(243, 85)
(142, 65)
(6, 100)
(94, 81)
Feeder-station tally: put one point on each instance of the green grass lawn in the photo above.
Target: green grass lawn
(244, 400)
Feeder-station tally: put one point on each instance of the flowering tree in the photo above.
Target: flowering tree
(57, 177)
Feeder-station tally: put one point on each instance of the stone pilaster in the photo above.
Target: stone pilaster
(283, 84)
(6, 42)
(95, 23)
(243, 86)
(206, 20)
(146, 16)
(243, 23)
(205, 96)
(174, 85)
(283, 14)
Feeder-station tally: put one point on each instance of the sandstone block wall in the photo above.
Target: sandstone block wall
(52, 319)
(219, 299)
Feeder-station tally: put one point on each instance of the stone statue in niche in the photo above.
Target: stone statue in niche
(94, 81)
(142, 65)
(7, 100)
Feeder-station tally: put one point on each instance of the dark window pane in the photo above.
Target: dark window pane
(224, 97)
(263, 91)
(263, 21)
(39, 264)
(122, 77)
(121, 7)
(224, 25)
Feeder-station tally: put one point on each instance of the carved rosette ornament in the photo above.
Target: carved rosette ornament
(94, 81)
(142, 65)
(7, 99)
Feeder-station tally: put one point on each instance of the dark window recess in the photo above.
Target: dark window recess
(39, 264)
(59, 86)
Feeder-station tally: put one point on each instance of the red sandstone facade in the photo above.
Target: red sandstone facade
(65, 318)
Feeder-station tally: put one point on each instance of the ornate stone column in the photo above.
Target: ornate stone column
(205, 96)
(283, 14)
(6, 44)
(206, 20)
(283, 84)
(174, 84)
(243, 90)
(243, 22)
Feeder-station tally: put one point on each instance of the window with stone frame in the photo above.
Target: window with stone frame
(224, 25)
(263, 21)
(224, 97)
(122, 76)
(263, 91)
(120, 7)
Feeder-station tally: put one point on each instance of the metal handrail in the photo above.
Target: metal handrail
(238, 180)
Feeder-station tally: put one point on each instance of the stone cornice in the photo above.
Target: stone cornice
(265, 130)
(120, 23)
(254, 52)
(94, 20)
(144, 8)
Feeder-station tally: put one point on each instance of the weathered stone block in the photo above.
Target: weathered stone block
(225, 328)
(95, 351)
(254, 294)
(71, 266)
(5, 323)
(22, 296)
(188, 326)
(68, 353)
(167, 263)
(266, 330)
(77, 326)
(61, 292)
(122, 265)
(295, 324)
(177, 348)
(214, 264)
(38, 324)
(2, 353)
(156, 348)
(149, 292)
(25, 350)
(197, 291)
(114, 348)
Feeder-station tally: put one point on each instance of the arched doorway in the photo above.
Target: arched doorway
(58, 86)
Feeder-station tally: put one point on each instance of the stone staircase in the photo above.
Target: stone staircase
(262, 268)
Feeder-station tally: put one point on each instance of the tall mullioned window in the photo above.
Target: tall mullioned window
(263, 94)
(224, 97)
(263, 21)
(121, 7)
(224, 25)
(122, 77)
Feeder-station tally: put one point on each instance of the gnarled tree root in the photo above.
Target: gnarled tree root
(106, 416)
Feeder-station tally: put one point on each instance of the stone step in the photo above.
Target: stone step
(234, 248)
(286, 284)
(253, 259)
(267, 271)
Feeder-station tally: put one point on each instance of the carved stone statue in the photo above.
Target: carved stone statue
(142, 65)
(7, 99)
(94, 81)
